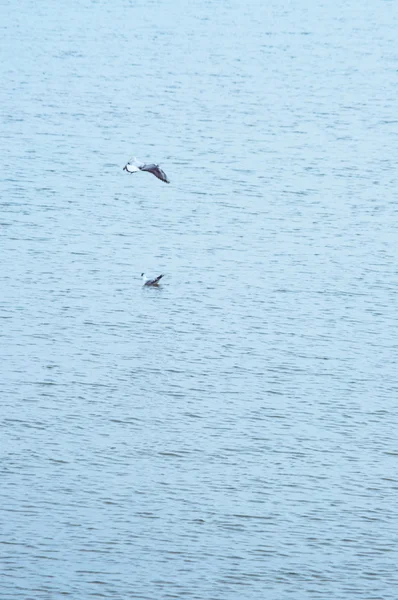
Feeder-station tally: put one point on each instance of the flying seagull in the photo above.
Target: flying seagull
(135, 165)
(154, 281)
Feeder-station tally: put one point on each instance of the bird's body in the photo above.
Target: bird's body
(150, 282)
(135, 165)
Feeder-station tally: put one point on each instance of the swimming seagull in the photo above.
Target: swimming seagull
(135, 165)
(146, 281)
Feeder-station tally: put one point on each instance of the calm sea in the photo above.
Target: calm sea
(231, 435)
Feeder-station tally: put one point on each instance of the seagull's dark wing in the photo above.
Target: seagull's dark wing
(154, 281)
(155, 170)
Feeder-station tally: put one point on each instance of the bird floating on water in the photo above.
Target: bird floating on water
(153, 282)
(135, 165)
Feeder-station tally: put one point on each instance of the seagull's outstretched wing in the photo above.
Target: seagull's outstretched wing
(155, 170)
(136, 162)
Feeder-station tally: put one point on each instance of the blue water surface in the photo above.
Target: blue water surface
(231, 435)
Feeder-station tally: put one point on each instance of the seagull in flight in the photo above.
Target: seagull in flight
(135, 165)
(151, 282)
